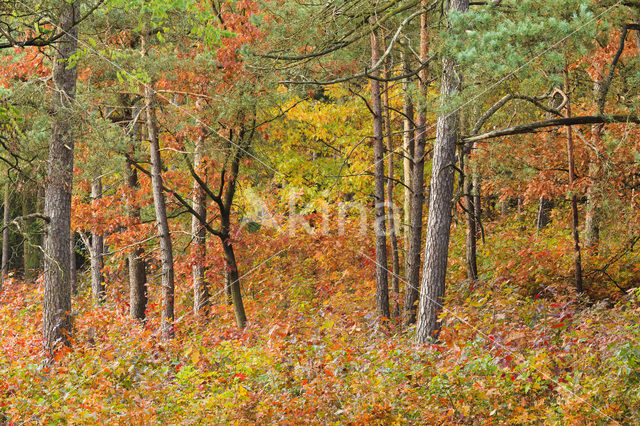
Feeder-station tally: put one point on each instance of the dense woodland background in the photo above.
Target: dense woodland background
(343, 211)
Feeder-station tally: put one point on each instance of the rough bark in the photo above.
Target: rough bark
(97, 252)
(200, 287)
(5, 235)
(395, 257)
(441, 201)
(417, 182)
(57, 320)
(382, 283)
(166, 250)
(574, 198)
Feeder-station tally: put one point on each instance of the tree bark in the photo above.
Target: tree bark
(5, 235)
(471, 232)
(543, 218)
(407, 150)
(574, 198)
(97, 252)
(200, 287)
(441, 200)
(73, 267)
(57, 320)
(137, 268)
(233, 277)
(382, 283)
(166, 250)
(395, 257)
(417, 181)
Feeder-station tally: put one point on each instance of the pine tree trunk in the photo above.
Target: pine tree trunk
(5, 235)
(382, 283)
(417, 182)
(166, 250)
(441, 201)
(137, 268)
(200, 288)
(57, 321)
(574, 198)
(407, 150)
(592, 219)
(97, 253)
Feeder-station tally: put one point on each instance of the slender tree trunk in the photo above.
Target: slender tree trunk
(407, 150)
(592, 219)
(395, 257)
(232, 275)
(97, 253)
(57, 322)
(417, 181)
(441, 204)
(135, 257)
(574, 197)
(5, 235)
(137, 269)
(382, 284)
(166, 250)
(543, 218)
(73, 267)
(471, 232)
(200, 287)
(477, 204)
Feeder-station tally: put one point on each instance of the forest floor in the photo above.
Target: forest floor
(518, 346)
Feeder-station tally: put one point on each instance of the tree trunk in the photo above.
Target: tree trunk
(5, 234)
(30, 250)
(417, 181)
(471, 232)
(137, 269)
(592, 219)
(407, 150)
(200, 288)
(382, 284)
(166, 250)
(441, 200)
(73, 267)
(543, 217)
(574, 197)
(97, 252)
(59, 183)
(232, 275)
(395, 257)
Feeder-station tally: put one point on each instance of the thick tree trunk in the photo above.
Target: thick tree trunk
(166, 250)
(200, 287)
(382, 283)
(57, 321)
(574, 198)
(407, 151)
(97, 253)
(5, 234)
(417, 182)
(441, 201)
